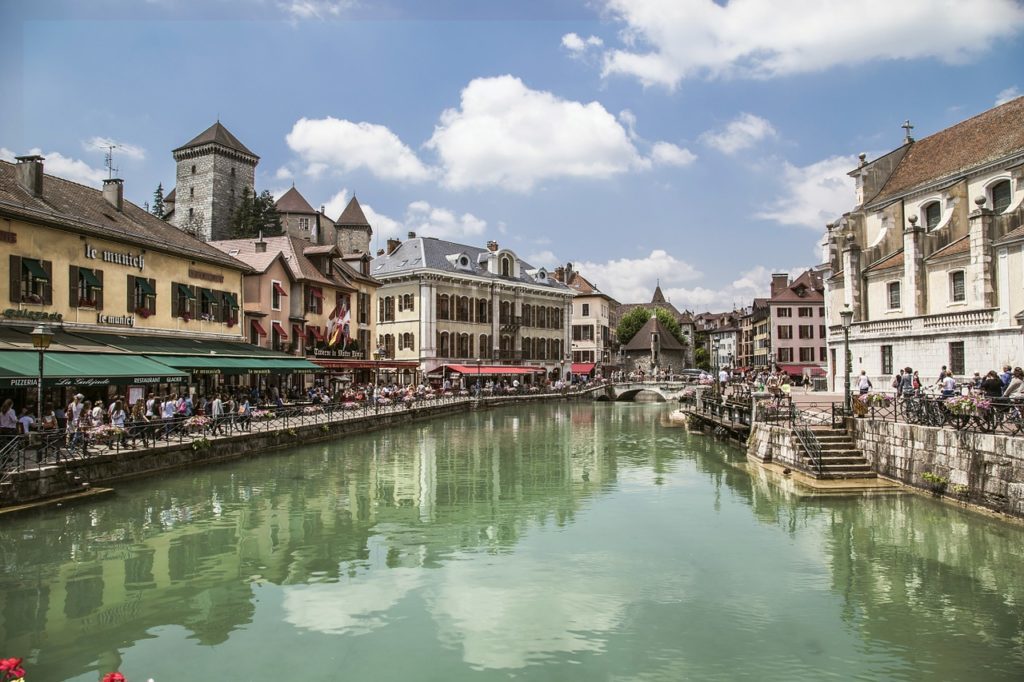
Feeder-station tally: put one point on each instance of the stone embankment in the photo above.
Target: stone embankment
(71, 477)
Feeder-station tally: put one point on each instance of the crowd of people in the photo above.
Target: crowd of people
(906, 383)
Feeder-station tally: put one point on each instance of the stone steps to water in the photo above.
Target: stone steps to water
(840, 457)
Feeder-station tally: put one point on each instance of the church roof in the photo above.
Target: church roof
(353, 215)
(293, 202)
(642, 339)
(991, 135)
(217, 134)
(659, 297)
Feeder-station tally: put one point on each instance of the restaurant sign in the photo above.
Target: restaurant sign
(115, 320)
(338, 353)
(34, 315)
(134, 260)
(88, 382)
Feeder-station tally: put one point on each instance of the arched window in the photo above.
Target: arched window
(932, 215)
(443, 311)
(443, 349)
(485, 347)
(527, 315)
(1001, 196)
(506, 266)
(481, 310)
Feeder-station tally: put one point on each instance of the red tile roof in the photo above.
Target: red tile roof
(293, 202)
(353, 215)
(892, 261)
(955, 248)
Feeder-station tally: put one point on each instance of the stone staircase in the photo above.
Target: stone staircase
(840, 458)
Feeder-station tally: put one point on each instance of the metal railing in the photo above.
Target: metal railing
(1003, 416)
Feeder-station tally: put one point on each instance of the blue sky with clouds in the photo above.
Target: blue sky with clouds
(703, 144)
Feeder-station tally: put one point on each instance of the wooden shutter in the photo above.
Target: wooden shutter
(99, 293)
(193, 302)
(130, 297)
(73, 286)
(175, 307)
(15, 279)
(48, 285)
(152, 299)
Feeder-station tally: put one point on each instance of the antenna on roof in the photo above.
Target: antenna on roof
(108, 160)
(907, 127)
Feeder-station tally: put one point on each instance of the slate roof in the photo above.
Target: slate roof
(642, 339)
(987, 137)
(83, 209)
(954, 248)
(891, 261)
(427, 252)
(293, 202)
(289, 248)
(217, 134)
(353, 215)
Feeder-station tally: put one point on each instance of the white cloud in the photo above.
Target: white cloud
(383, 226)
(632, 280)
(754, 283)
(131, 151)
(346, 146)
(667, 41)
(742, 132)
(577, 45)
(814, 195)
(506, 135)
(668, 154)
(337, 203)
(545, 258)
(62, 166)
(431, 221)
(315, 9)
(1008, 94)
(284, 173)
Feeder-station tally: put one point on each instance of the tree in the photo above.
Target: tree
(255, 215)
(157, 208)
(636, 318)
(700, 358)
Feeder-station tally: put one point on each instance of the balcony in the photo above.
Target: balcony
(969, 320)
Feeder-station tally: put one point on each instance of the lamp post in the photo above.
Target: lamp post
(846, 314)
(714, 351)
(41, 338)
(378, 355)
(479, 362)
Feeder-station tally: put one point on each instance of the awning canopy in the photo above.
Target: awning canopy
(90, 277)
(214, 364)
(280, 289)
(36, 268)
(339, 365)
(316, 333)
(798, 370)
(315, 292)
(493, 369)
(297, 330)
(146, 287)
(21, 368)
(183, 290)
(276, 326)
(259, 328)
(582, 367)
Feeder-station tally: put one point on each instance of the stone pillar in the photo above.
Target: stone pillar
(852, 277)
(913, 299)
(982, 275)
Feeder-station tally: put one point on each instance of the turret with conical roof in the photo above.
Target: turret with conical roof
(659, 297)
(214, 169)
(352, 230)
(298, 218)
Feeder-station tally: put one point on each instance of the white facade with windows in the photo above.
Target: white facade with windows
(930, 260)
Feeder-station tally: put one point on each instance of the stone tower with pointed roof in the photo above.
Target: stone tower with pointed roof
(352, 231)
(298, 218)
(213, 170)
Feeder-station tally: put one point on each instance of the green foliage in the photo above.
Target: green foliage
(701, 359)
(255, 215)
(636, 318)
(157, 208)
(935, 482)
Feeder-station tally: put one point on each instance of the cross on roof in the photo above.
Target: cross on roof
(907, 127)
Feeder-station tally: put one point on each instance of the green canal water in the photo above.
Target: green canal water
(565, 542)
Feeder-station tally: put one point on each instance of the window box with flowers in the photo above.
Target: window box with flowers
(142, 312)
(86, 303)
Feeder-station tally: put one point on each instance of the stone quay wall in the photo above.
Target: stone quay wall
(983, 468)
(100, 470)
(773, 443)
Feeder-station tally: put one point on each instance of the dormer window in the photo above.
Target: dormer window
(464, 261)
(1001, 196)
(542, 276)
(506, 266)
(932, 215)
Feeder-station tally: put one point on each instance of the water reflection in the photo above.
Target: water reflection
(584, 540)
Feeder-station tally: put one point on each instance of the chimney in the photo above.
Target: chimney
(412, 235)
(113, 192)
(29, 173)
(560, 273)
(380, 252)
(393, 245)
(260, 245)
(492, 246)
(780, 281)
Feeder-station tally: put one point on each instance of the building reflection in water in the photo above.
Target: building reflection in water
(350, 530)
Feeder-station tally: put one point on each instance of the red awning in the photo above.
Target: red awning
(280, 289)
(316, 292)
(582, 367)
(494, 369)
(335, 364)
(297, 329)
(259, 328)
(280, 330)
(316, 333)
(798, 370)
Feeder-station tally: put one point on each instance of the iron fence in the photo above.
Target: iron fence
(984, 415)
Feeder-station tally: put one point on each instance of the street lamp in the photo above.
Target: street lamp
(479, 362)
(378, 355)
(41, 338)
(714, 351)
(846, 314)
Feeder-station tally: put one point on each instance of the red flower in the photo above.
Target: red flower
(114, 677)
(9, 664)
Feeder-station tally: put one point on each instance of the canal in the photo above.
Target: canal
(587, 541)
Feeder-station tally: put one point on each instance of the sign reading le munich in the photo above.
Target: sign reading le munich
(119, 258)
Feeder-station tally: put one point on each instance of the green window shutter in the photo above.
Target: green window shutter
(15, 279)
(73, 286)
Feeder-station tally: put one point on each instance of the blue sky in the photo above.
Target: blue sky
(697, 143)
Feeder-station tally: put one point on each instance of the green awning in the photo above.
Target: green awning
(208, 296)
(89, 277)
(36, 268)
(216, 364)
(146, 287)
(183, 290)
(21, 368)
(232, 300)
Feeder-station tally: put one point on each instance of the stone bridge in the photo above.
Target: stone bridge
(629, 390)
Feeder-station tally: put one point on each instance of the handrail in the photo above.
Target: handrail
(801, 422)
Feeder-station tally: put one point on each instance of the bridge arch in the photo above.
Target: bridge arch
(631, 394)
